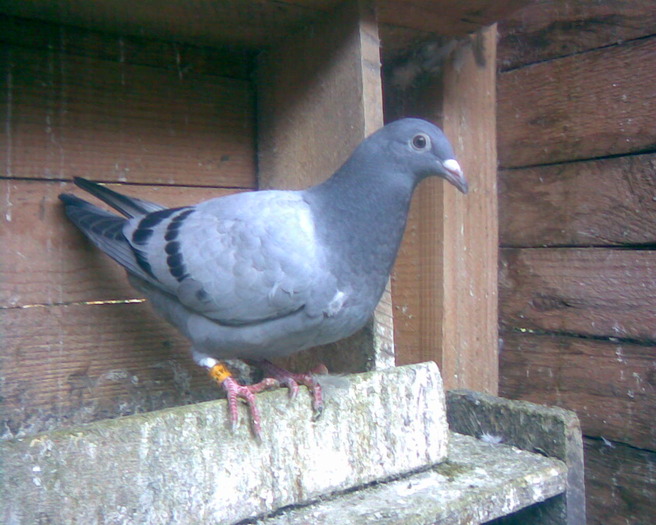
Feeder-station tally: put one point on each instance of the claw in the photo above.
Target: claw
(276, 376)
(292, 380)
(235, 391)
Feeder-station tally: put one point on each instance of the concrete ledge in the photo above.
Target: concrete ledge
(477, 483)
(551, 431)
(183, 465)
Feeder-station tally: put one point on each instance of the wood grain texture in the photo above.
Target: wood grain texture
(204, 22)
(64, 365)
(610, 385)
(257, 24)
(445, 278)
(317, 101)
(47, 260)
(447, 17)
(544, 29)
(582, 94)
(620, 482)
(182, 59)
(320, 95)
(599, 202)
(595, 104)
(74, 115)
(470, 234)
(593, 292)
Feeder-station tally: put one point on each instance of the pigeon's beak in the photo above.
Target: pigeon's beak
(454, 175)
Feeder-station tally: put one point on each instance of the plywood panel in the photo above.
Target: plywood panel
(70, 115)
(579, 107)
(64, 365)
(546, 29)
(610, 385)
(592, 292)
(47, 260)
(599, 202)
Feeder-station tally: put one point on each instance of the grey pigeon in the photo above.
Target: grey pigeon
(264, 274)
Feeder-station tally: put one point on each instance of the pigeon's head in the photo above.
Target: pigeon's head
(422, 150)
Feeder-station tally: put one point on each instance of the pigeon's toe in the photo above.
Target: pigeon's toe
(292, 380)
(234, 391)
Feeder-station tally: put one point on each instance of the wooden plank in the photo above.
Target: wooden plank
(445, 279)
(45, 258)
(253, 24)
(620, 483)
(68, 115)
(180, 58)
(446, 17)
(204, 22)
(616, 401)
(320, 96)
(599, 202)
(317, 101)
(594, 104)
(545, 29)
(593, 292)
(64, 365)
(470, 228)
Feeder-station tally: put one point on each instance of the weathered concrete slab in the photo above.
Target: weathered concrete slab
(478, 482)
(551, 431)
(184, 465)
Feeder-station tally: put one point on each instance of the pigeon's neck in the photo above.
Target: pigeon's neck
(363, 210)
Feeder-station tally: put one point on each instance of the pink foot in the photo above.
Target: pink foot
(236, 391)
(292, 380)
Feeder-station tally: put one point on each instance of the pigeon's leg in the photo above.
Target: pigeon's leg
(292, 380)
(220, 373)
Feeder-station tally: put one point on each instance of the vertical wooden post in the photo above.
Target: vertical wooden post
(470, 235)
(320, 94)
(449, 313)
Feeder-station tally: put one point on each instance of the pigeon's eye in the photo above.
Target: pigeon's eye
(421, 142)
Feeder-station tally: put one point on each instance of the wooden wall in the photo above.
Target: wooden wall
(577, 211)
(177, 123)
(162, 121)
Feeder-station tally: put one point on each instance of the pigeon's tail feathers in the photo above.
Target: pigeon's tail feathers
(128, 206)
(104, 229)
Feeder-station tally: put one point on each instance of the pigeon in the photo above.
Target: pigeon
(260, 275)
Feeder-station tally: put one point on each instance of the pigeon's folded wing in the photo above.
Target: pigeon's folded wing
(237, 260)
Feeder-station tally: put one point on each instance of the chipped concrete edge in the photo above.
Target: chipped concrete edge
(184, 464)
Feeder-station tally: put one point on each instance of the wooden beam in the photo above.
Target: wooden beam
(182, 59)
(593, 203)
(593, 292)
(616, 401)
(446, 17)
(449, 313)
(320, 95)
(550, 112)
(254, 25)
(544, 29)
(470, 227)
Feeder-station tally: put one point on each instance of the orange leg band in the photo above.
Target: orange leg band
(219, 372)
